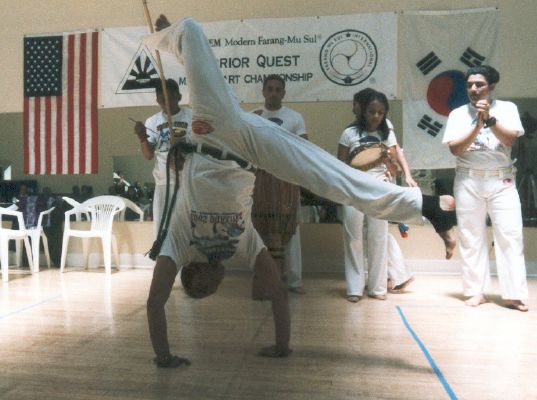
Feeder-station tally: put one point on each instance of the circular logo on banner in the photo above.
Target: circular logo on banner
(447, 91)
(348, 57)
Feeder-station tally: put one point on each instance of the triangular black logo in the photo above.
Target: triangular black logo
(141, 74)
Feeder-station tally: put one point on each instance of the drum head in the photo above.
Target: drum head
(368, 156)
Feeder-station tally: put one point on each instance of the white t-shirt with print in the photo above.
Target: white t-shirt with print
(285, 117)
(212, 216)
(353, 138)
(158, 136)
(487, 152)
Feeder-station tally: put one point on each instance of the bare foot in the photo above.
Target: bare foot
(353, 299)
(516, 305)
(274, 352)
(171, 361)
(440, 212)
(475, 301)
(297, 290)
(449, 241)
(402, 286)
(447, 202)
(378, 296)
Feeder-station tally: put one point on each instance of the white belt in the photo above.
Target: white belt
(487, 173)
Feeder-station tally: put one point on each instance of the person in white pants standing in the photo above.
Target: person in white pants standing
(155, 141)
(371, 128)
(480, 134)
(275, 111)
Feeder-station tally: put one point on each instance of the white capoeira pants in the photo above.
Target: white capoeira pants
(477, 196)
(355, 264)
(293, 260)
(268, 146)
(376, 253)
(398, 270)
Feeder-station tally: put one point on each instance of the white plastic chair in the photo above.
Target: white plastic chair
(131, 205)
(73, 203)
(13, 234)
(101, 210)
(36, 234)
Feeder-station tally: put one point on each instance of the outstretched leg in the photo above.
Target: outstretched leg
(211, 98)
(441, 212)
(219, 121)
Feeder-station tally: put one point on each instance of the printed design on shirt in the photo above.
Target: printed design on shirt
(216, 235)
(485, 141)
(276, 120)
(363, 141)
(163, 142)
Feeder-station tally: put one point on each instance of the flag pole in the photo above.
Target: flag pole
(161, 73)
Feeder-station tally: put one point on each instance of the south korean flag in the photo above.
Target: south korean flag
(439, 47)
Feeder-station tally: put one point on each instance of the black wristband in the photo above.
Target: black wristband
(490, 122)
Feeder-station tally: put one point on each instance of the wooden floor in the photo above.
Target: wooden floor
(82, 335)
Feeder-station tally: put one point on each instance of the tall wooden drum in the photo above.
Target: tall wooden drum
(275, 207)
(274, 215)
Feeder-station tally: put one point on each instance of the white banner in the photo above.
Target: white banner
(439, 47)
(321, 58)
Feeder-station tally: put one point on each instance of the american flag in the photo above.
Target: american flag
(60, 104)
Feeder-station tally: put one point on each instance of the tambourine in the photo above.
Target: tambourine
(368, 156)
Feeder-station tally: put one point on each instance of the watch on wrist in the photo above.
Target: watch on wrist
(490, 122)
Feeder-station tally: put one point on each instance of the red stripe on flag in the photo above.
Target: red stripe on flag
(82, 105)
(94, 83)
(36, 136)
(70, 103)
(26, 135)
(48, 134)
(59, 135)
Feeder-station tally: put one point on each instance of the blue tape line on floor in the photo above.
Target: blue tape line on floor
(433, 365)
(21, 310)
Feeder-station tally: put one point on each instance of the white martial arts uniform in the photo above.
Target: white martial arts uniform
(398, 270)
(212, 216)
(268, 146)
(293, 122)
(485, 184)
(377, 229)
(158, 136)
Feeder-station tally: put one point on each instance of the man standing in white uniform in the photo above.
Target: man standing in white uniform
(155, 141)
(480, 134)
(292, 121)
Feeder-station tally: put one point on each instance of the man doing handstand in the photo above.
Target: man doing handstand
(219, 122)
